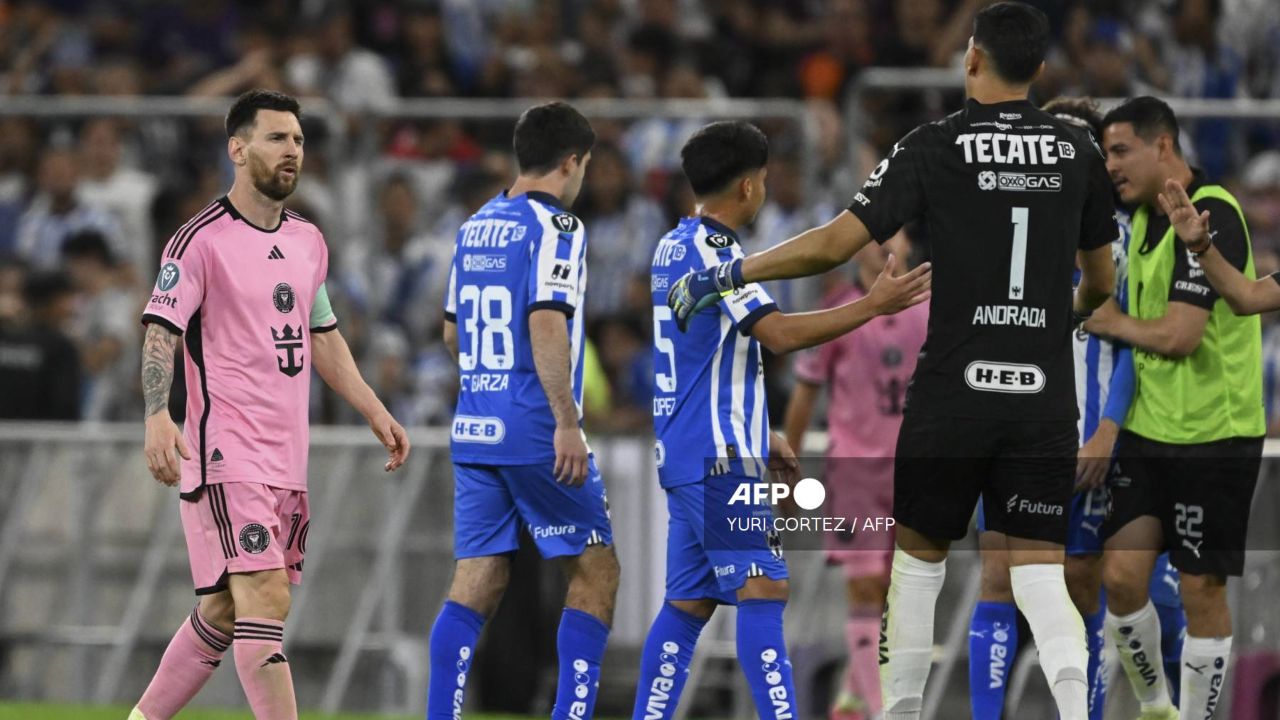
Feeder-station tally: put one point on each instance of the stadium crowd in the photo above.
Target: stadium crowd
(85, 204)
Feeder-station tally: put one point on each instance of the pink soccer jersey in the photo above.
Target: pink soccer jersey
(868, 370)
(246, 301)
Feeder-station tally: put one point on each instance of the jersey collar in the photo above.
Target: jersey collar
(225, 202)
(545, 198)
(717, 226)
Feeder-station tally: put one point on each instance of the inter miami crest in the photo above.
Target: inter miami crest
(290, 342)
(719, 241)
(254, 538)
(565, 222)
(283, 298)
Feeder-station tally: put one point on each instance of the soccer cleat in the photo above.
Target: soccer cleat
(848, 707)
(137, 715)
(1168, 712)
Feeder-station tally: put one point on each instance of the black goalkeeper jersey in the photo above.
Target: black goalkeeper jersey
(1009, 193)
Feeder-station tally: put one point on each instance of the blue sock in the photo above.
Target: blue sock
(664, 663)
(453, 648)
(762, 653)
(580, 646)
(993, 643)
(1096, 640)
(1173, 629)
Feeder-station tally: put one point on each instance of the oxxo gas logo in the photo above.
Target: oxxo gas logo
(809, 493)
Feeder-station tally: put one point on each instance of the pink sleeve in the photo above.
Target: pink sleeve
(813, 366)
(179, 288)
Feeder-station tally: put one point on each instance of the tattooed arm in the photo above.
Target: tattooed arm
(164, 440)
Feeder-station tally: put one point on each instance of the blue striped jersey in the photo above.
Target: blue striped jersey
(1095, 357)
(513, 256)
(709, 412)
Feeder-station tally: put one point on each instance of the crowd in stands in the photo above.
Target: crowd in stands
(86, 203)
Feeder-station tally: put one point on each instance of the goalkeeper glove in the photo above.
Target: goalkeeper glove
(697, 290)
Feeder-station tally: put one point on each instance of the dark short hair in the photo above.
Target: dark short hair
(547, 134)
(90, 244)
(42, 288)
(1016, 38)
(1150, 117)
(722, 152)
(1077, 110)
(244, 111)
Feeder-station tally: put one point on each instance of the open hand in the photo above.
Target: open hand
(163, 446)
(1192, 227)
(393, 438)
(890, 294)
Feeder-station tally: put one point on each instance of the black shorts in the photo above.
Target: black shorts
(1024, 471)
(1200, 493)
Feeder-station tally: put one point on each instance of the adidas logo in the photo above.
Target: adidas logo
(275, 253)
(274, 659)
(216, 456)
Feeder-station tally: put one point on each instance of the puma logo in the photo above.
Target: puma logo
(1193, 547)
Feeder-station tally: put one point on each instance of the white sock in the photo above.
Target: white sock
(1204, 675)
(1041, 594)
(1137, 638)
(906, 634)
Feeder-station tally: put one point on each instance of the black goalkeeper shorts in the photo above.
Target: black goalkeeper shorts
(1024, 471)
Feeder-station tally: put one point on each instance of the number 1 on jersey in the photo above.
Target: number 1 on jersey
(1018, 260)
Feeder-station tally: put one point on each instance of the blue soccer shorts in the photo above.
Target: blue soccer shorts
(707, 556)
(492, 502)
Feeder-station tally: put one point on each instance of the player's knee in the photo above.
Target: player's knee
(765, 588)
(479, 583)
(702, 609)
(1126, 589)
(1084, 580)
(264, 595)
(218, 610)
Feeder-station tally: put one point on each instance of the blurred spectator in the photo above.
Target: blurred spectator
(57, 212)
(352, 77)
(1260, 199)
(180, 42)
(424, 67)
(1198, 64)
(622, 346)
(18, 151)
(785, 214)
(39, 365)
(123, 190)
(623, 227)
(397, 275)
(105, 328)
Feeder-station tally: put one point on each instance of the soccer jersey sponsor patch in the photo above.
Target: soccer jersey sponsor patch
(168, 277)
(565, 222)
(719, 241)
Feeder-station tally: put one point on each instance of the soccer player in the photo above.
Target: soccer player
(1104, 389)
(711, 423)
(1191, 448)
(867, 372)
(1008, 193)
(514, 321)
(242, 285)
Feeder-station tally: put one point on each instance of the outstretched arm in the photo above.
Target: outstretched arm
(785, 333)
(1245, 296)
(333, 361)
(163, 441)
(812, 252)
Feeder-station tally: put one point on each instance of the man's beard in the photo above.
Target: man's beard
(271, 183)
